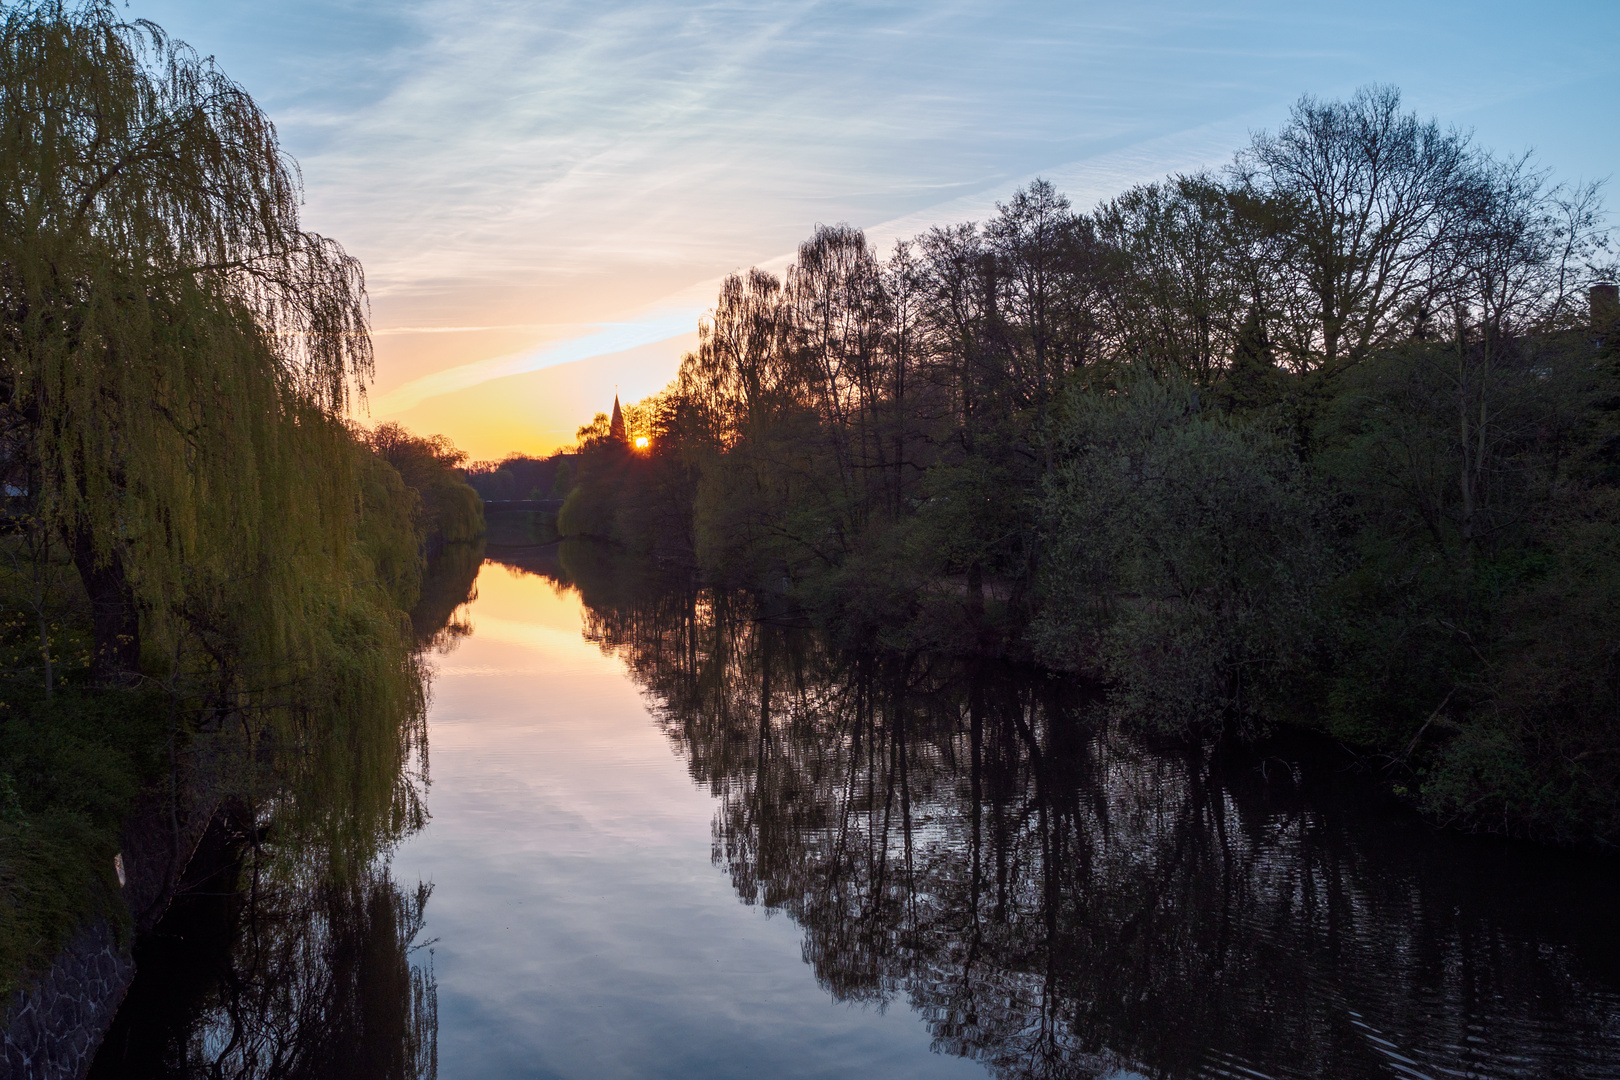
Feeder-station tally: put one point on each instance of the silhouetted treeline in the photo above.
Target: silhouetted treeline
(1328, 437)
(518, 476)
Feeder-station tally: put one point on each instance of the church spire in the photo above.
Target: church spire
(616, 428)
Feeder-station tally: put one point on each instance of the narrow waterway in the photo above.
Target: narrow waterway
(672, 834)
(580, 928)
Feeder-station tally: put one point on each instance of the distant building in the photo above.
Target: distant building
(616, 428)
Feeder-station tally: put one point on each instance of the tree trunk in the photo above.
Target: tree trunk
(116, 626)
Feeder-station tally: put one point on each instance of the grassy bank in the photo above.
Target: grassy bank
(70, 770)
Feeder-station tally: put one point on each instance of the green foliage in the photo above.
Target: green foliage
(188, 511)
(767, 509)
(177, 354)
(389, 538)
(449, 511)
(1185, 557)
(518, 476)
(175, 345)
(346, 759)
(1325, 438)
(1456, 524)
(1540, 756)
(590, 508)
(1252, 380)
(69, 771)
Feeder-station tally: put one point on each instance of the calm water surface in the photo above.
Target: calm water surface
(581, 929)
(673, 835)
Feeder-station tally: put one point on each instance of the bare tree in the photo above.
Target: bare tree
(1367, 201)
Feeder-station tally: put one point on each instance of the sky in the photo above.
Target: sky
(546, 195)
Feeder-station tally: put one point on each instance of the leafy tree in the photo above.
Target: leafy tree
(1324, 437)
(1185, 559)
(1366, 203)
(1178, 281)
(176, 358)
(176, 348)
(1044, 253)
(1252, 380)
(449, 510)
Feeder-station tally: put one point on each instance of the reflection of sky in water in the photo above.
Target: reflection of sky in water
(1209, 920)
(581, 928)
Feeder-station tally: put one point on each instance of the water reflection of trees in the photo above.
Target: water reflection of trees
(1057, 900)
(290, 952)
(268, 966)
(439, 618)
(324, 985)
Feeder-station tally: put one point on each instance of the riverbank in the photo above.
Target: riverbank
(55, 1020)
(107, 793)
(288, 894)
(1329, 557)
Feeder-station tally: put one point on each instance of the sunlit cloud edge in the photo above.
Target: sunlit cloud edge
(605, 339)
(678, 314)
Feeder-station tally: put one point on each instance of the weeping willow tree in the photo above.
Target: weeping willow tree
(175, 349)
(177, 354)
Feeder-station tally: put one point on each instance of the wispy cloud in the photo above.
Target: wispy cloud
(532, 165)
(601, 340)
(387, 331)
(677, 314)
(451, 142)
(522, 140)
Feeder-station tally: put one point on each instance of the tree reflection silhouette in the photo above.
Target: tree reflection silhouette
(290, 952)
(448, 586)
(296, 975)
(1057, 899)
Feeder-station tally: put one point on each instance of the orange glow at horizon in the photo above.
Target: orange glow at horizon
(538, 412)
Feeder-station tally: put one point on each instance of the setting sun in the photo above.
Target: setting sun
(641, 442)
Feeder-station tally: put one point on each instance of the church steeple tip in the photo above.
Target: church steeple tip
(616, 427)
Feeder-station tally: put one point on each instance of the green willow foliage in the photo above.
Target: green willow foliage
(177, 349)
(449, 511)
(177, 355)
(1323, 438)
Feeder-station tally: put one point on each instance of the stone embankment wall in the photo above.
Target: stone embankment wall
(54, 1025)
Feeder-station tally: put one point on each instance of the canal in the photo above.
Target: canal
(669, 833)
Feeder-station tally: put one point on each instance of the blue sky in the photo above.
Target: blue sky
(534, 185)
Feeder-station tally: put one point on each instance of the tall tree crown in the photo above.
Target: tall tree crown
(176, 352)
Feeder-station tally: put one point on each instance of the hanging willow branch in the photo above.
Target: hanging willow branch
(176, 352)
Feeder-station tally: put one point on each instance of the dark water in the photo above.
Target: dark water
(944, 869)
